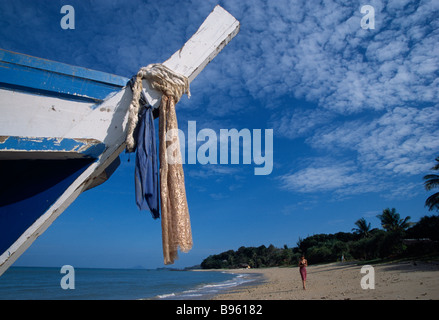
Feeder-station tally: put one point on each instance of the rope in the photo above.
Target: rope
(161, 79)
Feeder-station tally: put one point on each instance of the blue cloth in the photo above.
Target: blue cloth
(146, 170)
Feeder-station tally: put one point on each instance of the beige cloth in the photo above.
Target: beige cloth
(176, 228)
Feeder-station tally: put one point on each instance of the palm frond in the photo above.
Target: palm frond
(432, 202)
(436, 166)
(432, 181)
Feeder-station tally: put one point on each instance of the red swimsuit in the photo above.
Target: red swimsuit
(302, 270)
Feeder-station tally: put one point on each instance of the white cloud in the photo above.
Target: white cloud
(371, 155)
(323, 178)
(402, 141)
(299, 122)
(318, 51)
(373, 93)
(308, 49)
(346, 179)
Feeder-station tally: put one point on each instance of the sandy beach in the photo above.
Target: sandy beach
(411, 280)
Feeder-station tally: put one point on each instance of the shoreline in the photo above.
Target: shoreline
(208, 290)
(410, 280)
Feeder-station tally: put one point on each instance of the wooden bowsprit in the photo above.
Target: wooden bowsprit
(77, 119)
(214, 34)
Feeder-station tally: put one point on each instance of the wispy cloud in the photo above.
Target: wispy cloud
(401, 141)
(324, 177)
(381, 151)
(300, 122)
(372, 94)
(306, 49)
(345, 179)
(318, 51)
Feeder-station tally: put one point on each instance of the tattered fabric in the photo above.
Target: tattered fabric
(146, 172)
(176, 227)
(146, 169)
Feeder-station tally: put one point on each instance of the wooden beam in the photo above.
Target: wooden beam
(219, 28)
(213, 35)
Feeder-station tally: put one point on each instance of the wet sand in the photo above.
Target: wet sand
(393, 281)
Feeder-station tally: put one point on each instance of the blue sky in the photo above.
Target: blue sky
(354, 112)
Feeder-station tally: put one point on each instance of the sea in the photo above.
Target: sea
(40, 283)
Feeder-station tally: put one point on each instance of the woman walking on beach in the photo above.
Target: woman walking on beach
(303, 263)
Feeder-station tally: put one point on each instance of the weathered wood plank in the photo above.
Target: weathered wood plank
(213, 35)
(219, 28)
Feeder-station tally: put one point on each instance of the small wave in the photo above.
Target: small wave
(220, 285)
(193, 295)
(189, 291)
(210, 289)
(164, 296)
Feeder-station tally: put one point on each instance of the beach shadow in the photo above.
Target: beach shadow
(337, 267)
(412, 266)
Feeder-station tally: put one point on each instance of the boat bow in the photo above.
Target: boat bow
(63, 127)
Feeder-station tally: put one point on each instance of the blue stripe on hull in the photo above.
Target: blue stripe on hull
(82, 147)
(27, 73)
(28, 188)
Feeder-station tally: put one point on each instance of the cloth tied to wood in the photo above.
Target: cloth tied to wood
(146, 169)
(176, 228)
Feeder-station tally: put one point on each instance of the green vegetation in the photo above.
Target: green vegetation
(432, 181)
(255, 257)
(398, 239)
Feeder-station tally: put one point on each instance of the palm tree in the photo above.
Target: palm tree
(363, 228)
(391, 221)
(432, 181)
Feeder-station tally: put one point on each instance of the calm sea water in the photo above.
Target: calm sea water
(26, 283)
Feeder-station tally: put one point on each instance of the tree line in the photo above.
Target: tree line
(398, 238)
